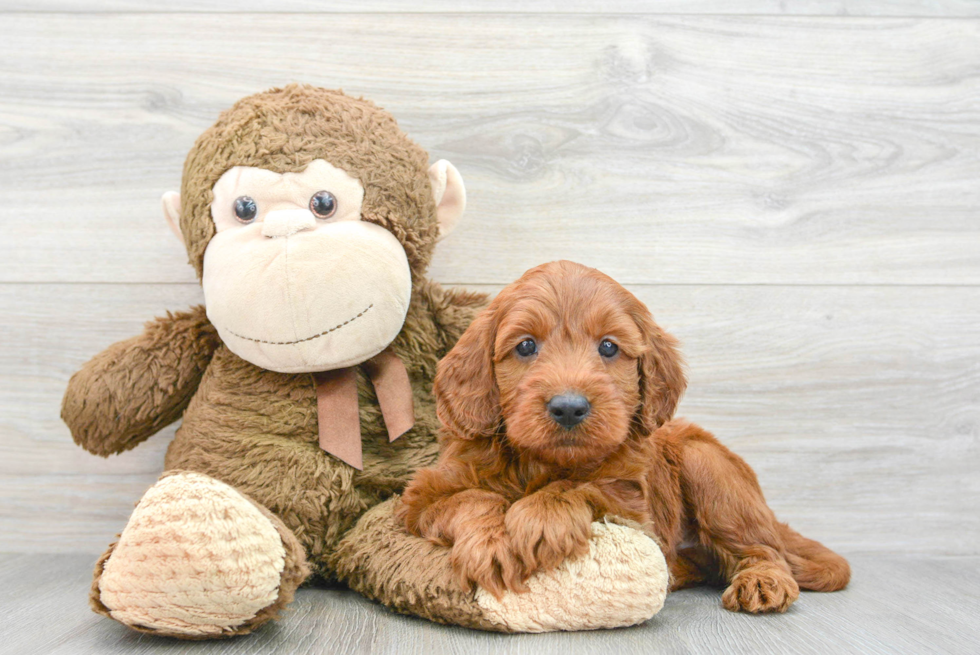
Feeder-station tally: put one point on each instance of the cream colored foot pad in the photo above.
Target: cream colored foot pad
(621, 581)
(196, 558)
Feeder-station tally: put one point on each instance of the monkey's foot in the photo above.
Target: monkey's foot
(198, 560)
(621, 581)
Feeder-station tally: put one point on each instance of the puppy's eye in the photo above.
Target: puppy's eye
(526, 348)
(323, 204)
(607, 348)
(245, 209)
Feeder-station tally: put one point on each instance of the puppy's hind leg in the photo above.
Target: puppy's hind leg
(815, 567)
(731, 521)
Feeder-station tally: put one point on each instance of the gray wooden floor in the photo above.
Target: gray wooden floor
(894, 605)
(793, 187)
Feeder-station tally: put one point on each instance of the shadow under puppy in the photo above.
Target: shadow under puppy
(557, 405)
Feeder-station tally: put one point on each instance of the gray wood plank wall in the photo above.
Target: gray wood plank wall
(793, 188)
(926, 8)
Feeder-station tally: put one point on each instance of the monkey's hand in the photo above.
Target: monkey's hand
(136, 387)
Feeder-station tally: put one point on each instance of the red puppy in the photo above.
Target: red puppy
(557, 406)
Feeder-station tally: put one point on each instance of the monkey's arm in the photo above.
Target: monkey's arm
(136, 387)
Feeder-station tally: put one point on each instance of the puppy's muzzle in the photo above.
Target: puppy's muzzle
(569, 409)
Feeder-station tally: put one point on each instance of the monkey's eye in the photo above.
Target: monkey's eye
(607, 348)
(526, 348)
(245, 209)
(323, 204)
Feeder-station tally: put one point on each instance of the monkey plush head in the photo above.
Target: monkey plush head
(309, 216)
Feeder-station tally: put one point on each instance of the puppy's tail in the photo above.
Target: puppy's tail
(814, 566)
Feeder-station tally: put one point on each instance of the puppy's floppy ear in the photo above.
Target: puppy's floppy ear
(662, 380)
(467, 398)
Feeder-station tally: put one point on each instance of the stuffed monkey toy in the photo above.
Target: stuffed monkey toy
(305, 388)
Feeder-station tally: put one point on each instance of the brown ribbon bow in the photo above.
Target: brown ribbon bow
(336, 405)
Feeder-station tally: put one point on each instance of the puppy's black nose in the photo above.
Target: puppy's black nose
(569, 409)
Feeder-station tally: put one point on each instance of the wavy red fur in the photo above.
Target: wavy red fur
(514, 492)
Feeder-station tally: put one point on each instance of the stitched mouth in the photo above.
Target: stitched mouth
(315, 336)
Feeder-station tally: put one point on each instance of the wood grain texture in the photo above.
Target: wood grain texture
(684, 149)
(794, 195)
(885, 8)
(859, 407)
(893, 605)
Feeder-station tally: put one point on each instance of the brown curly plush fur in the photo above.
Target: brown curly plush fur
(283, 130)
(257, 431)
(254, 429)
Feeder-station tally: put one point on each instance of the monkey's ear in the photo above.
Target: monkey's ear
(450, 195)
(171, 211)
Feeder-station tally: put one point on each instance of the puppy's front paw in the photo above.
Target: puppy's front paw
(761, 588)
(487, 559)
(545, 529)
